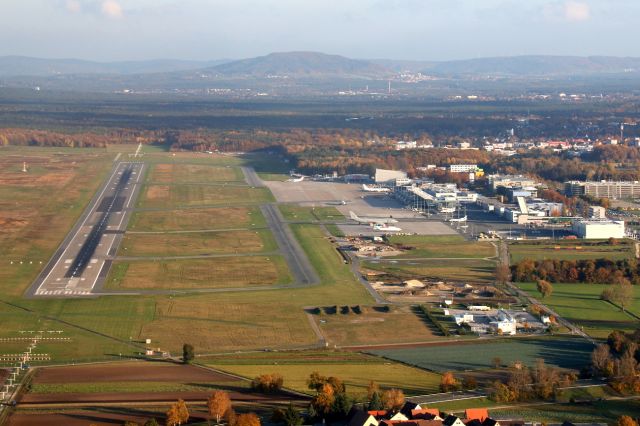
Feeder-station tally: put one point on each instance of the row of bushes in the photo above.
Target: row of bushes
(443, 329)
(344, 310)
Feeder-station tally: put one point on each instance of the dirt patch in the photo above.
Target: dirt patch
(158, 192)
(97, 416)
(128, 397)
(128, 373)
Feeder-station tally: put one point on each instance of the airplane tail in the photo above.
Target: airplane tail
(353, 216)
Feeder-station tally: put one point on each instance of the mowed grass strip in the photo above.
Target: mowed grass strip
(453, 246)
(373, 326)
(356, 376)
(475, 270)
(309, 214)
(581, 304)
(571, 250)
(223, 272)
(172, 196)
(193, 173)
(197, 219)
(562, 352)
(189, 244)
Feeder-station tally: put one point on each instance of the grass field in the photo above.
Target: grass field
(442, 246)
(200, 243)
(570, 250)
(197, 219)
(223, 272)
(474, 270)
(173, 196)
(581, 304)
(561, 352)
(309, 214)
(356, 370)
(193, 173)
(373, 326)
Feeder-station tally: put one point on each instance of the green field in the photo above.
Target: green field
(193, 173)
(192, 219)
(355, 370)
(198, 243)
(206, 273)
(561, 352)
(191, 195)
(570, 250)
(474, 270)
(296, 213)
(581, 304)
(441, 247)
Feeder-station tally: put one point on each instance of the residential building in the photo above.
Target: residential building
(603, 189)
(597, 212)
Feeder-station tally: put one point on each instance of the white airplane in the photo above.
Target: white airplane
(372, 220)
(298, 179)
(366, 188)
(460, 219)
(386, 228)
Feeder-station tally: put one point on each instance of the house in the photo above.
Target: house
(362, 418)
(476, 414)
(426, 414)
(384, 415)
(452, 420)
(408, 408)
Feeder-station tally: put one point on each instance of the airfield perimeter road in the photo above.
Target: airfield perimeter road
(82, 261)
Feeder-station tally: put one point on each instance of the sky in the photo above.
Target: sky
(114, 30)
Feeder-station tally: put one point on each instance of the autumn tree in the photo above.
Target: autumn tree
(448, 382)
(292, 417)
(231, 417)
(602, 361)
(268, 383)
(544, 288)
(626, 421)
(620, 294)
(248, 419)
(503, 273)
(323, 400)
(372, 388)
(151, 422)
(218, 404)
(178, 414)
(496, 361)
(188, 353)
(393, 399)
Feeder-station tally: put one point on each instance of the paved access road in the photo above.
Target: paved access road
(82, 262)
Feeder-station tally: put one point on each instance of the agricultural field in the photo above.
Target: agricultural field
(571, 250)
(581, 304)
(373, 325)
(193, 173)
(571, 353)
(419, 246)
(471, 270)
(204, 273)
(198, 243)
(356, 370)
(193, 219)
(191, 195)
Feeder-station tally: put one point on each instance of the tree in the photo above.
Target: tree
(469, 383)
(248, 419)
(375, 403)
(626, 421)
(151, 422)
(131, 423)
(393, 399)
(218, 404)
(503, 273)
(601, 360)
(496, 361)
(187, 353)
(268, 383)
(544, 288)
(341, 405)
(500, 392)
(231, 417)
(178, 413)
(292, 417)
(448, 382)
(620, 294)
(371, 389)
(323, 401)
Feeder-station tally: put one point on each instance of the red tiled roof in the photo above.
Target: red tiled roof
(476, 414)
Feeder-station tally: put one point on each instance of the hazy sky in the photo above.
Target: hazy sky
(108, 30)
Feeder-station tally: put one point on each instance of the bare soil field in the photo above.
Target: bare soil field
(197, 219)
(156, 372)
(82, 418)
(128, 397)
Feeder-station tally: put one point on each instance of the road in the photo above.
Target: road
(82, 261)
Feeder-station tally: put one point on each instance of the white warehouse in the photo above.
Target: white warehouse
(598, 229)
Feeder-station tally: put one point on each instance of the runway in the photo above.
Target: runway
(81, 263)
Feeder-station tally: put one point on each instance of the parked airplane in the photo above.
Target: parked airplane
(386, 228)
(372, 220)
(460, 219)
(374, 188)
(298, 179)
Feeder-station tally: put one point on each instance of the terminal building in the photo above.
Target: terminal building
(389, 177)
(598, 229)
(603, 189)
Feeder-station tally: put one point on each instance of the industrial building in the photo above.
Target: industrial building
(510, 181)
(598, 229)
(597, 212)
(388, 177)
(603, 189)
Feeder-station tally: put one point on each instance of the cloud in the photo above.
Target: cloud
(73, 6)
(111, 9)
(576, 11)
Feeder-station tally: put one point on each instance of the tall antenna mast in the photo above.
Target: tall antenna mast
(389, 90)
(24, 167)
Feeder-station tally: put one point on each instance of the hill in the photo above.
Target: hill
(301, 64)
